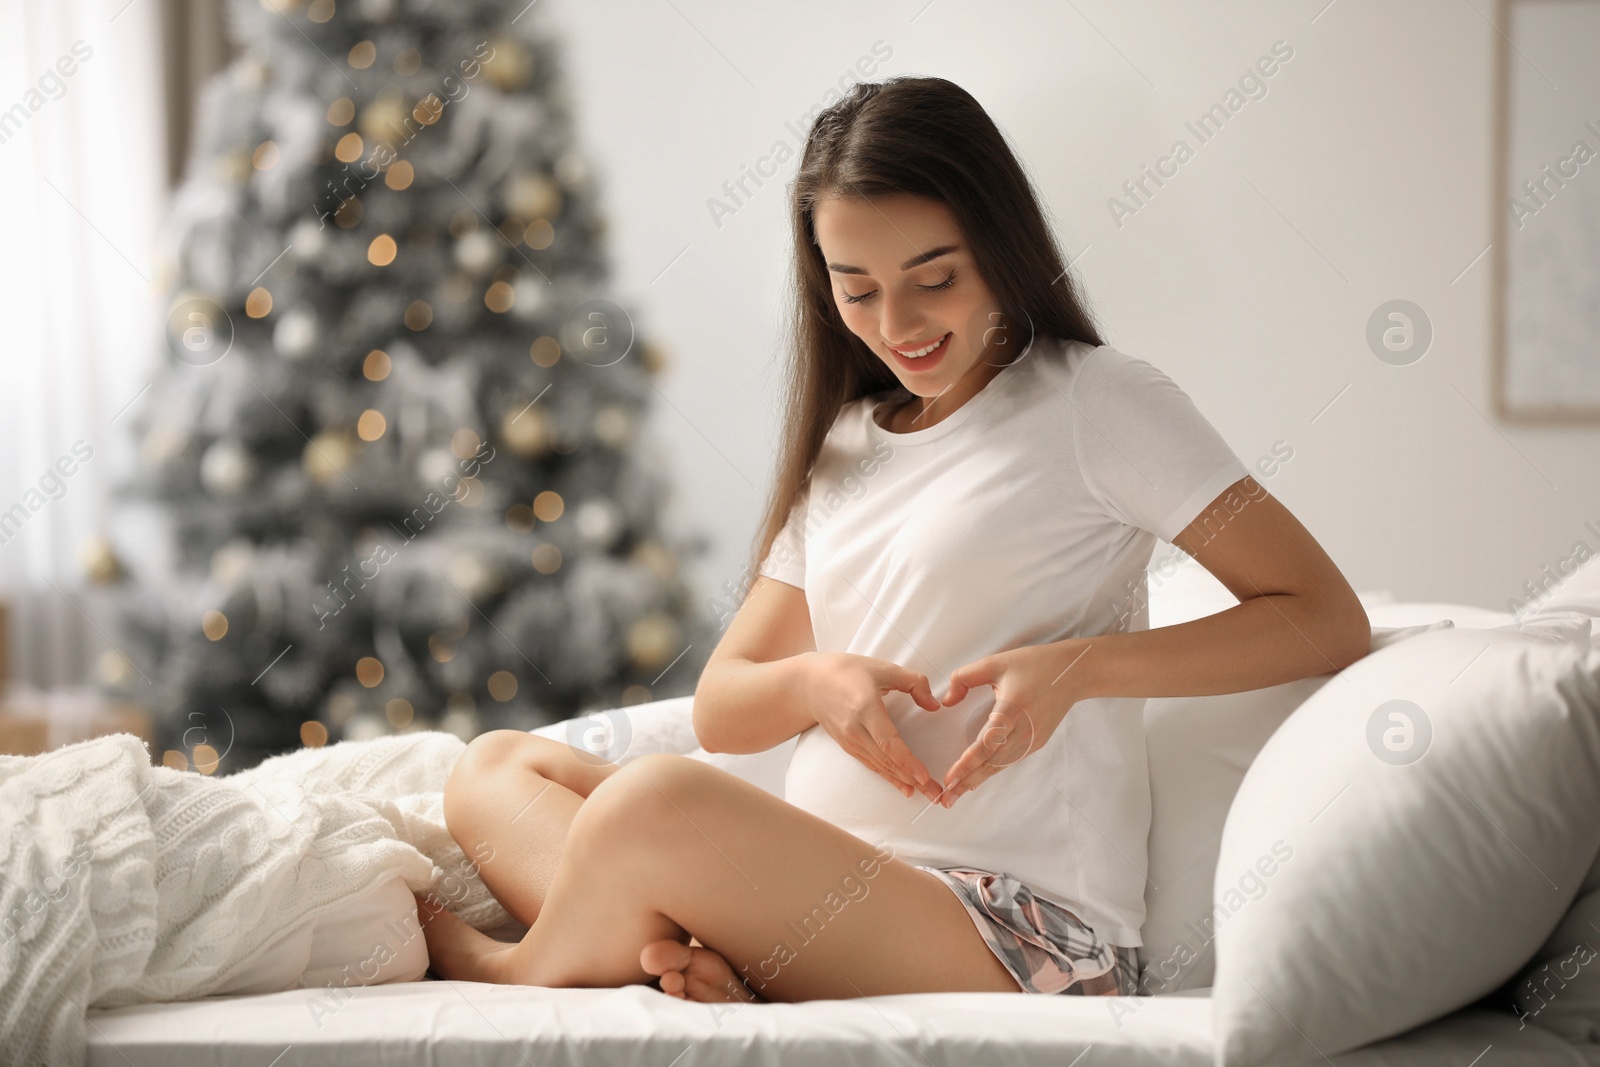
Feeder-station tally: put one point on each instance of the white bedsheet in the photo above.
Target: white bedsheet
(489, 1026)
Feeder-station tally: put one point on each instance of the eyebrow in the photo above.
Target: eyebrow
(919, 258)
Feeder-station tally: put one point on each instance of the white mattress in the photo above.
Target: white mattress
(465, 1022)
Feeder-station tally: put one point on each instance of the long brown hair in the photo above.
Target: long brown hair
(930, 138)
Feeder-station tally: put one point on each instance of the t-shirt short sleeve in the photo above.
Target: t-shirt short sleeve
(786, 560)
(1144, 449)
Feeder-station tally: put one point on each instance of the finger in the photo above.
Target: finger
(957, 788)
(922, 692)
(865, 750)
(910, 764)
(889, 742)
(965, 679)
(964, 765)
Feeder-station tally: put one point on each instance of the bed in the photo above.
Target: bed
(1199, 750)
(505, 1026)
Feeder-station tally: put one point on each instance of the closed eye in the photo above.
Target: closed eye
(947, 283)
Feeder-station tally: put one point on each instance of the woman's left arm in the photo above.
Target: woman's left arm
(1297, 617)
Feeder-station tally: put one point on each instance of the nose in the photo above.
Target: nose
(898, 321)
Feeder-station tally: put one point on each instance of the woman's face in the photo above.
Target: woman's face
(905, 281)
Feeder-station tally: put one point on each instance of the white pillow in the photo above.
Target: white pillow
(1578, 593)
(1560, 988)
(1362, 895)
(1199, 748)
(369, 939)
(621, 735)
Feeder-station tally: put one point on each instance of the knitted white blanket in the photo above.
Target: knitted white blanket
(124, 883)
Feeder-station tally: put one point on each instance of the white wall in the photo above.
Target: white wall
(1364, 175)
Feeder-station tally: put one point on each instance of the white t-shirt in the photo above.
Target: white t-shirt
(1027, 515)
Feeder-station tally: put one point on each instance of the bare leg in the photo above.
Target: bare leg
(509, 801)
(799, 908)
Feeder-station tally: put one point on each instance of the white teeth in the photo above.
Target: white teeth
(924, 351)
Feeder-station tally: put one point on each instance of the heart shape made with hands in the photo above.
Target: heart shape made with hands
(1007, 735)
(1004, 735)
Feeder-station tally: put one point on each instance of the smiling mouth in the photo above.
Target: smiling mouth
(921, 352)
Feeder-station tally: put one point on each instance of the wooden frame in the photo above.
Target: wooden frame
(1568, 368)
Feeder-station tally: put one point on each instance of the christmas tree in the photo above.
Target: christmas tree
(396, 440)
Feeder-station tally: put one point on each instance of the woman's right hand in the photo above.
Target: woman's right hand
(846, 698)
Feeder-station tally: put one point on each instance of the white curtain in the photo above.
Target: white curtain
(82, 190)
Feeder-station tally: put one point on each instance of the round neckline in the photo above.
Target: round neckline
(945, 425)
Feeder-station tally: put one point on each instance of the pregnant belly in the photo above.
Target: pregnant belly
(831, 784)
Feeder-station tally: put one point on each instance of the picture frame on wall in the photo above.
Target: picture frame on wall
(1546, 334)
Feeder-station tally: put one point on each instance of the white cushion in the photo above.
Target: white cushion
(621, 735)
(1360, 895)
(1199, 748)
(1577, 594)
(369, 939)
(1560, 988)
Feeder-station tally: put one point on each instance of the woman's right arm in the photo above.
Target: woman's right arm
(752, 694)
(766, 682)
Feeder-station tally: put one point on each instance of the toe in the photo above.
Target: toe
(710, 978)
(662, 957)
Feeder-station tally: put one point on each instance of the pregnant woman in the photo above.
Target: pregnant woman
(949, 615)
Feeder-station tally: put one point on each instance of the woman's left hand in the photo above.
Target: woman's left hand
(1034, 688)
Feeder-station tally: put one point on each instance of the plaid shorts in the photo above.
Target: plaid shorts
(1046, 948)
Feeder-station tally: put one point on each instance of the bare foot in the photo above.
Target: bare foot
(458, 952)
(693, 972)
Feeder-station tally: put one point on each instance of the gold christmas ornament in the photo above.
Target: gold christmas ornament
(233, 167)
(547, 558)
(502, 685)
(510, 65)
(206, 759)
(474, 577)
(548, 506)
(652, 642)
(163, 444)
(231, 563)
(113, 667)
(369, 671)
(525, 431)
(519, 518)
(349, 148)
(532, 195)
(539, 235)
(384, 120)
(399, 712)
(545, 351)
(653, 555)
(613, 426)
(418, 315)
(326, 457)
(652, 356)
(99, 560)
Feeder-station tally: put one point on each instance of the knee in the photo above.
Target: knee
(485, 757)
(645, 802)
